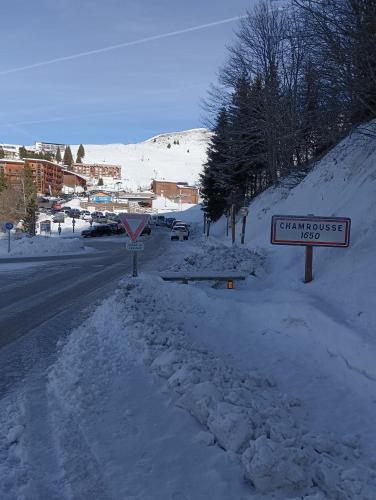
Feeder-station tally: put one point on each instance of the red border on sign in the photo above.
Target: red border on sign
(134, 235)
(345, 220)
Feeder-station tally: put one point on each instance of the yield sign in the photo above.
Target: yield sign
(134, 224)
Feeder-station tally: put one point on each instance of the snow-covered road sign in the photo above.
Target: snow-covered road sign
(134, 224)
(45, 226)
(310, 231)
(8, 226)
(135, 246)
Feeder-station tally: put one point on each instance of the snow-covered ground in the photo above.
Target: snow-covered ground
(266, 391)
(153, 159)
(163, 205)
(24, 246)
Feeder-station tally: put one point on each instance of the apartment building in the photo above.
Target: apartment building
(48, 176)
(177, 191)
(10, 151)
(50, 147)
(97, 170)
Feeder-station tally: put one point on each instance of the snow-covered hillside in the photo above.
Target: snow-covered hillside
(154, 159)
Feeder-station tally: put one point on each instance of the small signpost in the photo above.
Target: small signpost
(135, 246)
(45, 227)
(244, 214)
(73, 223)
(8, 226)
(134, 225)
(310, 231)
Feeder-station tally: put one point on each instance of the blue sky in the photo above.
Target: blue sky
(121, 95)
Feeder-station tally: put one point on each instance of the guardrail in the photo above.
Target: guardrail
(185, 277)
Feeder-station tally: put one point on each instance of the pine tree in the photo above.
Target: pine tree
(214, 180)
(68, 158)
(30, 200)
(58, 155)
(100, 181)
(2, 154)
(22, 152)
(169, 145)
(80, 154)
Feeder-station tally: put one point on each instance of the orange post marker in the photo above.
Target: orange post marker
(230, 284)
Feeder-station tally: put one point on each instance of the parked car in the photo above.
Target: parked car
(170, 221)
(110, 215)
(116, 228)
(56, 206)
(146, 230)
(178, 222)
(66, 209)
(97, 213)
(95, 231)
(58, 217)
(100, 218)
(181, 223)
(74, 212)
(85, 215)
(161, 220)
(178, 232)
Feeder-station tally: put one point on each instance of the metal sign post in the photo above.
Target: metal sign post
(135, 270)
(308, 269)
(135, 247)
(233, 234)
(9, 226)
(134, 225)
(310, 231)
(208, 223)
(244, 213)
(73, 223)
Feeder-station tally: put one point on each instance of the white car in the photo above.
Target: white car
(179, 233)
(85, 215)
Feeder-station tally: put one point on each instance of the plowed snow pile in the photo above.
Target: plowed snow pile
(38, 245)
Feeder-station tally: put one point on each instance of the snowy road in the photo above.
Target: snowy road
(130, 443)
(41, 302)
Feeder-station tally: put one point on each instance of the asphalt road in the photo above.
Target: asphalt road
(43, 300)
(31, 296)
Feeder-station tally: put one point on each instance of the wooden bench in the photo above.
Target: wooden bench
(185, 276)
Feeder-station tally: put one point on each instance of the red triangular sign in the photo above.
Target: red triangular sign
(134, 224)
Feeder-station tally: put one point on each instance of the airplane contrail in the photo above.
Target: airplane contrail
(120, 45)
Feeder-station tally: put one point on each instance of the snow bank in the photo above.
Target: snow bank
(38, 245)
(239, 410)
(165, 205)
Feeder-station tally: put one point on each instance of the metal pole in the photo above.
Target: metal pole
(208, 227)
(8, 240)
(233, 223)
(243, 229)
(227, 224)
(135, 271)
(204, 223)
(308, 277)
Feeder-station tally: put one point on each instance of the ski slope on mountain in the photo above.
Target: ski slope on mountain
(154, 159)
